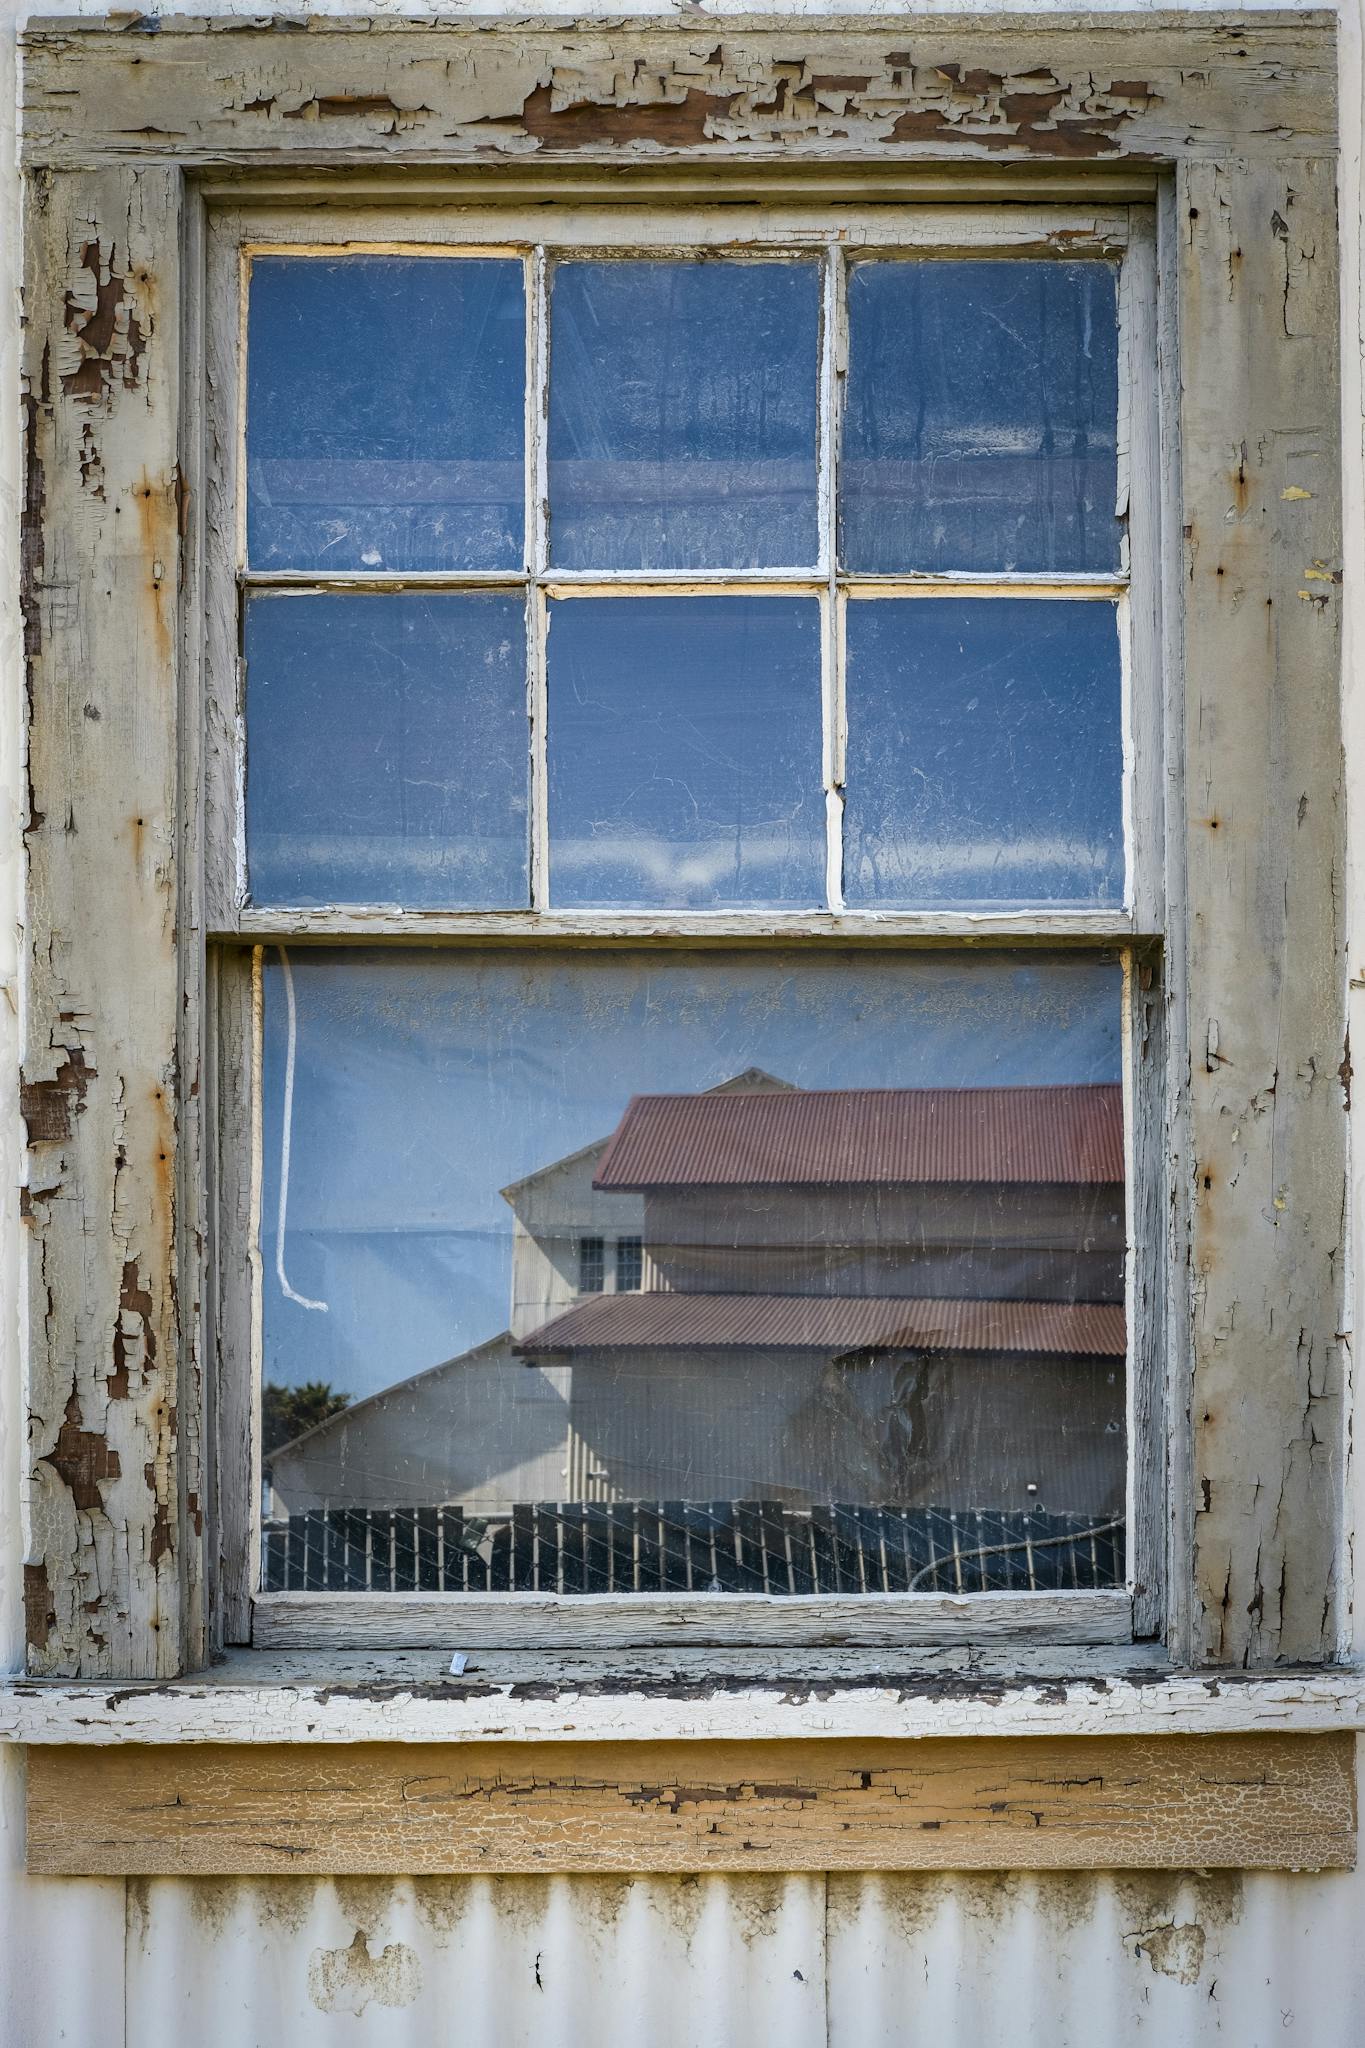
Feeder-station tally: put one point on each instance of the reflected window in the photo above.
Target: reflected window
(592, 1265)
(629, 1264)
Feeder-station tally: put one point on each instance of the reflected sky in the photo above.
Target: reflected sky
(386, 413)
(426, 1082)
(981, 416)
(684, 752)
(985, 754)
(388, 748)
(682, 428)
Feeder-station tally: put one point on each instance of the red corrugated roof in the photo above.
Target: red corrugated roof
(867, 1136)
(833, 1323)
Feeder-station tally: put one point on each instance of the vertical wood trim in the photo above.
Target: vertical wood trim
(232, 1068)
(215, 616)
(103, 1048)
(1259, 466)
(1170, 1025)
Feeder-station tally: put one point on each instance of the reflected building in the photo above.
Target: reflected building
(909, 1296)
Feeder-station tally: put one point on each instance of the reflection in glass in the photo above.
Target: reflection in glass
(684, 752)
(683, 414)
(385, 413)
(985, 754)
(387, 749)
(642, 1272)
(981, 419)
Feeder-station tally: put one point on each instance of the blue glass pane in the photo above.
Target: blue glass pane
(981, 417)
(683, 415)
(387, 749)
(386, 413)
(985, 757)
(684, 744)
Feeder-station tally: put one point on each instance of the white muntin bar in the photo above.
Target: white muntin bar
(831, 663)
(537, 556)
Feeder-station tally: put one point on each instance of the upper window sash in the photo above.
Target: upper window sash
(539, 244)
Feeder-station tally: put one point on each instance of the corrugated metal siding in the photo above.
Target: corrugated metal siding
(945, 1961)
(865, 1136)
(803, 1322)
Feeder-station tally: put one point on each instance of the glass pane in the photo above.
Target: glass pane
(684, 752)
(386, 413)
(387, 752)
(645, 1272)
(683, 415)
(985, 753)
(981, 417)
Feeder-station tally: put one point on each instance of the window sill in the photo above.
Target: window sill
(689, 1761)
(681, 1695)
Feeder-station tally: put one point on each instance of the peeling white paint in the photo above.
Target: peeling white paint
(1049, 1960)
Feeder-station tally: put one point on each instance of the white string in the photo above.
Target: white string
(286, 1139)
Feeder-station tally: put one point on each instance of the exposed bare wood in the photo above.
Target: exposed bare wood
(681, 1694)
(1069, 91)
(473, 1620)
(114, 1511)
(383, 195)
(238, 1486)
(1050, 110)
(930, 928)
(1267, 1079)
(1057, 1802)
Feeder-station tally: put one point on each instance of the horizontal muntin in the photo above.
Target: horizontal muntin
(686, 582)
(327, 923)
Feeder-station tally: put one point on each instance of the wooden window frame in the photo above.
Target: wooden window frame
(132, 139)
(238, 232)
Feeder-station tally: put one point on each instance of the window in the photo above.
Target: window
(586, 586)
(630, 1254)
(147, 821)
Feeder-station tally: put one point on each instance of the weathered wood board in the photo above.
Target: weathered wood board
(1078, 90)
(113, 1502)
(1236, 116)
(1264, 1801)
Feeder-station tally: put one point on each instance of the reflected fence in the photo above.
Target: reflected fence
(744, 1546)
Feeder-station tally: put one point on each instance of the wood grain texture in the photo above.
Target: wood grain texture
(1264, 1152)
(1086, 90)
(1267, 1801)
(284, 1621)
(1244, 109)
(114, 1500)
